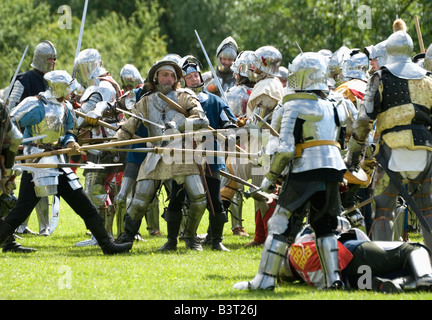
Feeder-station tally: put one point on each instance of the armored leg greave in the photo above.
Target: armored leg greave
(236, 209)
(43, 215)
(120, 201)
(274, 252)
(420, 264)
(152, 217)
(328, 252)
(383, 226)
(197, 206)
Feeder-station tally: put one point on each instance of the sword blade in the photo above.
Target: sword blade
(15, 75)
(83, 19)
(212, 70)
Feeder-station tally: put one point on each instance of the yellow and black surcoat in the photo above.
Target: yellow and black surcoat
(402, 108)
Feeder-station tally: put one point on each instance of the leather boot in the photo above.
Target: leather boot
(131, 228)
(108, 246)
(173, 219)
(5, 231)
(12, 246)
(217, 223)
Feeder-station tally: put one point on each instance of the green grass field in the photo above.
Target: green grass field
(61, 271)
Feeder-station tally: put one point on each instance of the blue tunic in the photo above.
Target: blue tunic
(138, 157)
(218, 114)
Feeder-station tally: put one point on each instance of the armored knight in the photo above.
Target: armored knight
(131, 79)
(397, 96)
(220, 117)
(237, 97)
(97, 103)
(376, 54)
(308, 150)
(50, 114)
(265, 96)
(226, 53)
(29, 84)
(396, 266)
(354, 68)
(164, 77)
(268, 90)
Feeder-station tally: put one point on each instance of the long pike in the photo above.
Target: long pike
(117, 144)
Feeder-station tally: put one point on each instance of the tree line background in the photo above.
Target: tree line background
(141, 32)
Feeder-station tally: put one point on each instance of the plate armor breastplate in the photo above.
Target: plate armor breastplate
(52, 125)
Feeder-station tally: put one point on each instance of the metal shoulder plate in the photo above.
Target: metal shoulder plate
(106, 93)
(24, 107)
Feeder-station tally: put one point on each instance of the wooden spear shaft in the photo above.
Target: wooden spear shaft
(108, 145)
(419, 35)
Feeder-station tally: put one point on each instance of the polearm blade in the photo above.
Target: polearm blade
(30, 139)
(269, 197)
(141, 118)
(24, 167)
(212, 70)
(298, 46)
(15, 75)
(78, 48)
(358, 206)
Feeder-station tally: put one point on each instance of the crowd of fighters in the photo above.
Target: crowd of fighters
(307, 142)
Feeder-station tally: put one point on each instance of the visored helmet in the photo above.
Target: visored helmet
(243, 65)
(60, 83)
(130, 76)
(43, 51)
(268, 59)
(335, 61)
(227, 49)
(85, 63)
(308, 71)
(355, 65)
